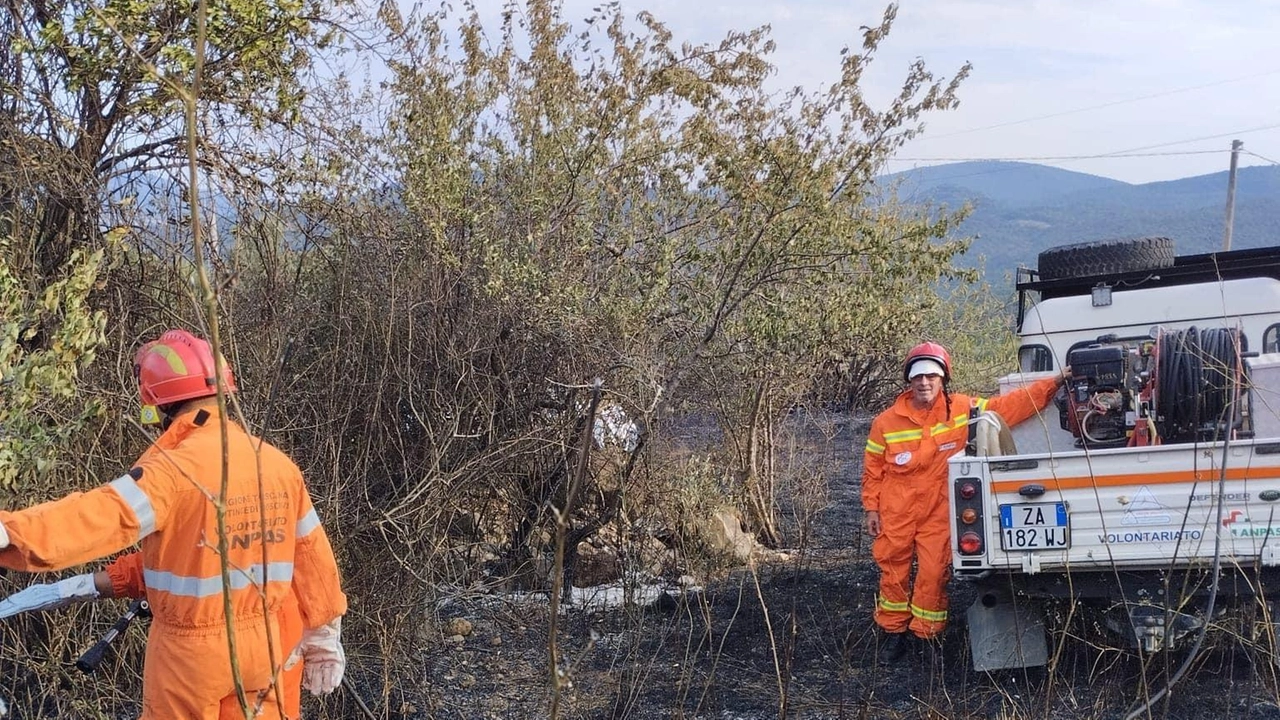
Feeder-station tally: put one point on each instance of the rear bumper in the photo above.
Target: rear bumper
(1131, 583)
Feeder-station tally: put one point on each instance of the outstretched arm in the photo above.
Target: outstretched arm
(106, 520)
(1021, 403)
(122, 578)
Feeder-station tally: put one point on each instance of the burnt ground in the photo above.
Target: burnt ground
(794, 639)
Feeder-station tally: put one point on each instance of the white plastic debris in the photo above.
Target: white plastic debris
(613, 427)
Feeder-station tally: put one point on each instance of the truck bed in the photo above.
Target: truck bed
(1161, 506)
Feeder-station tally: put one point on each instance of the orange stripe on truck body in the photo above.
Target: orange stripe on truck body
(1267, 472)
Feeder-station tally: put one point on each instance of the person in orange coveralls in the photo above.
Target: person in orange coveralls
(125, 578)
(275, 546)
(904, 489)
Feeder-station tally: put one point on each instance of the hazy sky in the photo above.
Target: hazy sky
(1116, 76)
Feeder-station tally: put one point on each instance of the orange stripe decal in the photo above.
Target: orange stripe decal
(1164, 478)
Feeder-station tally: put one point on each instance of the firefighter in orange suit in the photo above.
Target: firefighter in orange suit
(125, 577)
(904, 489)
(275, 547)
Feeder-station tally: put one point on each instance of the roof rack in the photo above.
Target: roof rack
(1186, 269)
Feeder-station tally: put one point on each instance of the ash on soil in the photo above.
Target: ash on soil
(794, 638)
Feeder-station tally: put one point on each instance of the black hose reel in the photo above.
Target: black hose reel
(1198, 377)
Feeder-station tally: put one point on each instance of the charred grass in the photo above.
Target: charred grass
(792, 637)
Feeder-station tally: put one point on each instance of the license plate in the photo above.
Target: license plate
(1034, 526)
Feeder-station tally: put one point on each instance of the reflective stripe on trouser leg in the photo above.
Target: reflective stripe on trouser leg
(893, 617)
(893, 556)
(927, 623)
(929, 601)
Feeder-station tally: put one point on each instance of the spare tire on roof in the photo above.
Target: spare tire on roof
(1103, 257)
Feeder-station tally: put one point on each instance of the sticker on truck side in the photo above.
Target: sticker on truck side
(1034, 526)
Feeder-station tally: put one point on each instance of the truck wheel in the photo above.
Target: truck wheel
(1102, 257)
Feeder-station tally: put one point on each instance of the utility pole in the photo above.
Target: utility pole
(1236, 146)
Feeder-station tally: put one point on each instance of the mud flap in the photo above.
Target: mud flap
(1004, 634)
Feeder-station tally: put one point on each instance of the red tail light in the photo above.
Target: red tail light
(968, 523)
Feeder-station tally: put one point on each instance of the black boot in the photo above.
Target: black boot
(893, 647)
(931, 651)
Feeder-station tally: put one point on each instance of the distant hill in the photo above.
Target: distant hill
(1023, 208)
(1012, 183)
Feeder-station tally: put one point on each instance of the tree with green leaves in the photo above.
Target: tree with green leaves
(549, 219)
(703, 242)
(91, 100)
(89, 95)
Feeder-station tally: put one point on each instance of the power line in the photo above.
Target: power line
(1127, 153)
(1264, 159)
(1101, 106)
(1199, 139)
(1029, 158)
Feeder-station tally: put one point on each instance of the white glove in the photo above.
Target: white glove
(323, 661)
(51, 596)
(4, 537)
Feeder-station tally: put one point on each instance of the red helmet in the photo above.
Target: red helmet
(927, 351)
(175, 367)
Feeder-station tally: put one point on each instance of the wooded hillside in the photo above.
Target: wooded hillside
(1019, 209)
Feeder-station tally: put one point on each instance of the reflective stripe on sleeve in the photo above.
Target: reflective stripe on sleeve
(308, 523)
(200, 587)
(875, 448)
(138, 501)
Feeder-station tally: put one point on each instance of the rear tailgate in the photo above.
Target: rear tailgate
(1124, 507)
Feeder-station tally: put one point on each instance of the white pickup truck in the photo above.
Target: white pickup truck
(1149, 492)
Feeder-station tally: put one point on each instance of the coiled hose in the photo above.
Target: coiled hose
(1196, 377)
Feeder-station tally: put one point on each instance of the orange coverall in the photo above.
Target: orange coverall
(904, 478)
(128, 580)
(165, 501)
